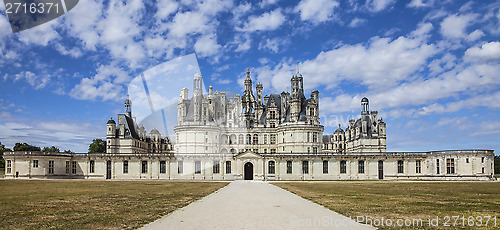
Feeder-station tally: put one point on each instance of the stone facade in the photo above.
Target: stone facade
(256, 137)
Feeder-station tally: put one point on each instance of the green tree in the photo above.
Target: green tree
(52, 149)
(97, 146)
(25, 147)
(68, 151)
(2, 150)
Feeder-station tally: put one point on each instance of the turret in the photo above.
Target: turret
(111, 128)
(364, 106)
(128, 107)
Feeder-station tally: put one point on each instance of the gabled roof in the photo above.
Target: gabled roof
(248, 154)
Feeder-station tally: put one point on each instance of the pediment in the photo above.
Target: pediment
(248, 154)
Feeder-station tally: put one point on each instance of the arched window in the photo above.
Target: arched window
(343, 167)
(256, 139)
(249, 139)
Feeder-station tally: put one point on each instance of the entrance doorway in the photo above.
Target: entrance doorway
(248, 171)
(108, 170)
(380, 170)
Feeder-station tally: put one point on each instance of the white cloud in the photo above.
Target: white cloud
(106, 84)
(38, 81)
(207, 45)
(165, 8)
(454, 26)
(267, 21)
(487, 52)
(357, 22)
(378, 5)
(241, 45)
(273, 44)
(421, 3)
(40, 35)
(316, 11)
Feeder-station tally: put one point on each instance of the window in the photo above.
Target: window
(289, 167)
(273, 150)
(144, 167)
(67, 167)
(308, 134)
(305, 167)
(400, 166)
(315, 149)
(437, 166)
(9, 166)
(273, 139)
(315, 137)
(272, 114)
(249, 139)
(180, 167)
(51, 167)
(361, 167)
(343, 167)
(125, 167)
(92, 166)
(271, 167)
(418, 166)
(255, 139)
(325, 167)
(467, 160)
(197, 167)
(163, 167)
(265, 138)
(228, 167)
(482, 159)
(35, 163)
(73, 167)
(240, 139)
(450, 166)
(482, 170)
(216, 167)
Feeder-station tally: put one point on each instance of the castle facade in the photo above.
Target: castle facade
(252, 137)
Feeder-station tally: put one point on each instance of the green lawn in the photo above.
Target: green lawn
(64, 204)
(407, 200)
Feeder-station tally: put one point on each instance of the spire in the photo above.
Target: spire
(128, 106)
(248, 81)
(298, 67)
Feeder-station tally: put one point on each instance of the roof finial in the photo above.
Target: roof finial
(339, 125)
(298, 67)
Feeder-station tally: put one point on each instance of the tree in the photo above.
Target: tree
(68, 151)
(52, 149)
(25, 147)
(2, 150)
(97, 146)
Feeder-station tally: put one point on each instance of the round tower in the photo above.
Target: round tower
(128, 107)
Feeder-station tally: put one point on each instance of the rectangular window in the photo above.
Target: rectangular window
(272, 167)
(450, 166)
(51, 167)
(92, 166)
(35, 163)
(265, 138)
(437, 166)
(418, 166)
(73, 167)
(400, 166)
(343, 167)
(216, 167)
(163, 167)
(228, 167)
(305, 167)
(315, 137)
(125, 167)
(467, 160)
(325, 167)
(273, 139)
(144, 165)
(361, 167)
(67, 167)
(197, 167)
(482, 159)
(289, 167)
(315, 149)
(9, 166)
(180, 167)
(273, 150)
(308, 134)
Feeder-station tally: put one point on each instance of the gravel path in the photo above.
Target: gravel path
(254, 205)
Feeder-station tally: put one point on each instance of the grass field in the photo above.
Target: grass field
(67, 204)
(412, 200)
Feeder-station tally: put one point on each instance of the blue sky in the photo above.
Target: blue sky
(431, 68)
